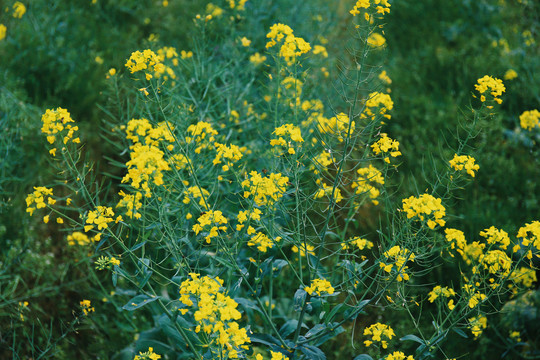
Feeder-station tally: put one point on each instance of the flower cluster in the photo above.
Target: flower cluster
(440, 292)
(216, 315)
(497, 237)
(147, 355)
(194, 193)
(230, 154)
(337, 126)
(145, 167)
(321, 162)
(18, 10)
(381, 6)
(78, 238)
(460, 162)
(262, 242)
(318, 286)
(275, 356)
(202, 134)
(132, 204)
(477, 325)
(497, 263)
(379, 333)
(493, 86)
(41, 197)
(213, 221)
(530, 236)
(246, 216)
(286, 136)
(327, 190)
(145, 60)
(377, 103)
(387, 147)
(398, 355)
(376, 40)
(396, 258)
(56, 122)
(475, 297)
(106, 262)
(265, 190)
(291, 47)
(304, 249)
(368, 178)
(358, 243)
(101, 217)
(457, 240)
(530, 119)
(142, 131)
(425, 205)
(86, 307)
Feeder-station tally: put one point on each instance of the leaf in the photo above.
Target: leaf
(288, 328)
(363, 357)
(312, 352)
(460, 333)
(315, 330)
(299, 298)
(412, 338)
(138, 302)
(264, 339)
(138, 246)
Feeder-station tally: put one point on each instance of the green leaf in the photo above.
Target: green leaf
(412, 338)
(363, 357)
(138, 302)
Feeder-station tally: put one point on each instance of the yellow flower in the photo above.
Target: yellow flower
(387, 147)
(460, 162)
(86, 307)
(376, 40)
(379, 333)
(491, 86)
(425, 205)
(510, 74)
(530, 119)
(245, 41)
(319, 286)
(2, 31)
(18, 10)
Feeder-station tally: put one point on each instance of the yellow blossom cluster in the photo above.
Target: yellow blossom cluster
(304, 249)
(321, 162)
(497, 237)
(194, 193)
(477, 325)
(179, 161)
(440, 292)
(40, 198)
(399, 355)
(147, 355)
(460, 162)
(265, 190)
(275, 356)
(257, 59)
(246, 216)
(327, 190)
(379, 333)
(358, 243)
(230, 154)
(475, 297)
(147, 61)
(145, 167)
(497, 263)
(101, 217)
(319, 49)
(493, 86)
(381, 7)
(376, 40)
(530, 237)
(337, 126)
(213, 221)
(286, 136)
(387, 147)
(318, 286)
(18, 10)
(132, 204)
(54, 123)
(291, 46)
(3, 31)
(425, 205)
(530, 119)
(78, 238)
(262, 242)
(510, 74)
(522, 276)
(396, 258)
(365, 183)
(86, 307)
(472, 252)
(215, 314)
(457, 241)
(201, 133)
(142, 131)
(377, 103)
